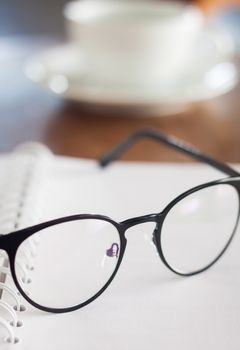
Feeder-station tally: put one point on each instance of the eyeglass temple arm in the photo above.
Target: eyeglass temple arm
(169, 141)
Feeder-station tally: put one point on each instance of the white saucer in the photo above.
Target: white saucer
(211, 73)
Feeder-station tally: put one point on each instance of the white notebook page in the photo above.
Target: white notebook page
(146, 306)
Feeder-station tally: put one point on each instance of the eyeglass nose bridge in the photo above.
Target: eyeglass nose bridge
(140, 220)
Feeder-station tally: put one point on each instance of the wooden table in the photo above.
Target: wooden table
(28, 112)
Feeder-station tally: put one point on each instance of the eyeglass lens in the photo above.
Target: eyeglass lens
(73, 261)
(199, 227)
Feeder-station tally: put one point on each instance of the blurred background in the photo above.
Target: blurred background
(45, 17)
(201, 106)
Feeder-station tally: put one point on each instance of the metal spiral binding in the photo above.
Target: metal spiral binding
(24, 176)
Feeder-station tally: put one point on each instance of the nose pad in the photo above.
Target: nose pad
(113, 250)
(154, 243)
(154, 240)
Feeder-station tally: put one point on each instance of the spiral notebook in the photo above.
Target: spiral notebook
(146, 306)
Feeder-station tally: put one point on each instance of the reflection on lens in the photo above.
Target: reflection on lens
(72, 262)
(198, 228)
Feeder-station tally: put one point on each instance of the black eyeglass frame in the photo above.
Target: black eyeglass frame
(11, 242)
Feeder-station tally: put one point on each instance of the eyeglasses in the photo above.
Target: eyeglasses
(83, 253)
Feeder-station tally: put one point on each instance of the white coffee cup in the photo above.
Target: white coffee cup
(133, 41)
